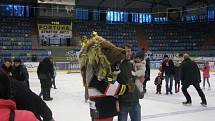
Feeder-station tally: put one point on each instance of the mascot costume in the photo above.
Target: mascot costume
(99, 68)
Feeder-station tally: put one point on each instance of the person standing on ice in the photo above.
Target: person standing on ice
(45, 73)
(190, 75)
(206, 75)
(55, 73)
(20, 72)
(168, 70)
(129, 103)
(147, 73)
(158, 83)
(177, 77)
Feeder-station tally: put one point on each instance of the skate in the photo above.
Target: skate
(204, 104)
(187, 103)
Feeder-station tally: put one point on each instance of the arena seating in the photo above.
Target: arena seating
(162, 38)
(15, 34)
(16, 39)
(118, 34)
(177, 37)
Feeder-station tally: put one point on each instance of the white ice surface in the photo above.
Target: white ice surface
(69, 105)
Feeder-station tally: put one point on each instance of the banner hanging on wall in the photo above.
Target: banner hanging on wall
(54, 31)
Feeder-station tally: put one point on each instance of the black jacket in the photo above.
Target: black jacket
(189, 72)
(177, 74)
(147, 72)
(27, 100)
(20, 73)
(7, 70)
(168, 68)
(158, 80)
(125, 77)
(45, 69)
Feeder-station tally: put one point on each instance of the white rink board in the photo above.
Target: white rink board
(31, 66)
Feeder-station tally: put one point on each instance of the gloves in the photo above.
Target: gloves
(110, 80)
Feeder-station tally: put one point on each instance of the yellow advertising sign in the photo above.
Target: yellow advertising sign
(54, 27)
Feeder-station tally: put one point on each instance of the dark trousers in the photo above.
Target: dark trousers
(199, 90)
(45, 88)
(53, 83)
(177, 86)
(144, 86)
(207, 82)
(86, 94)
(159, 87)
(134, 110)
(169, 83)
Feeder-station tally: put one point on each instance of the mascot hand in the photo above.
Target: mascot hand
(111, 80)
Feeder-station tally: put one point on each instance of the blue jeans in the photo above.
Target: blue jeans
(169, 79)
(134, 110)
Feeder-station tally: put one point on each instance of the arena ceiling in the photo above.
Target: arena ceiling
(140, 4)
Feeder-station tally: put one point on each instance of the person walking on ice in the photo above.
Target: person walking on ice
(206, 75)
(190, 75)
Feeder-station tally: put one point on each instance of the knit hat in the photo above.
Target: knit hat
(138, 55)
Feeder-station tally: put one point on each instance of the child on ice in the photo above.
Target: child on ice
(158, 83)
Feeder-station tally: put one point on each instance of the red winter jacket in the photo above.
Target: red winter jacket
(206, 71)
(20, 115)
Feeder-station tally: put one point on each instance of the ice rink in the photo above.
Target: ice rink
(69, 105)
